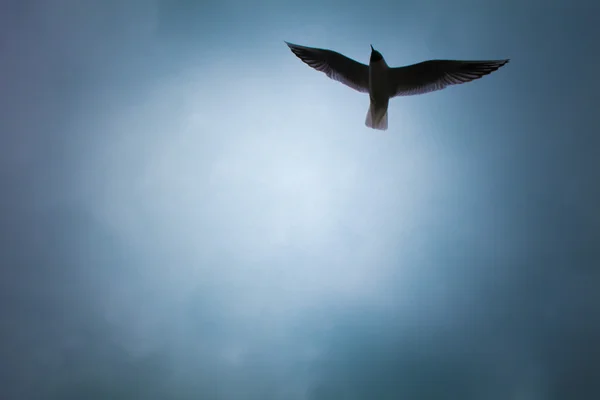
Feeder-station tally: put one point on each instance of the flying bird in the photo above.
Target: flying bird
(383, 82)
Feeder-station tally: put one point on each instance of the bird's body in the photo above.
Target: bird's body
(379, 94)
(382, 82)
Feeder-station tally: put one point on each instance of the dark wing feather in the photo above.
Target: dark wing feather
(433, 75)
(335, 65)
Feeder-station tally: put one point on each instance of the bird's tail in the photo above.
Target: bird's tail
(377, 118)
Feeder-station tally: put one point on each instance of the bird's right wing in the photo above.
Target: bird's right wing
(335, 65)
(429, 76)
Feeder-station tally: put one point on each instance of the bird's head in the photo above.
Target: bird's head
(375, 55)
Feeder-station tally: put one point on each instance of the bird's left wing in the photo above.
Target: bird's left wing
(335, 65)
(433, 75)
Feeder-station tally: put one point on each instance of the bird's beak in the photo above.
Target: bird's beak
(372, 49)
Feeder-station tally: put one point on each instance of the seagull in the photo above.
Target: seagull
(382, 82)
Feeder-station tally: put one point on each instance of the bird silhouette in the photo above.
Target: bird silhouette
(383, 82)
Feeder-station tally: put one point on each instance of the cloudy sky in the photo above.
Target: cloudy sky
(190, 212)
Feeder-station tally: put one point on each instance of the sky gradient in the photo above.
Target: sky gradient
(190, 212)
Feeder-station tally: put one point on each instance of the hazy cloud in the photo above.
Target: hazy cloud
(189, 212)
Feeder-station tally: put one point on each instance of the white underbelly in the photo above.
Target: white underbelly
(378, 84)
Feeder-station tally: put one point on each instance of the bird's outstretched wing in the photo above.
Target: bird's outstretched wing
(335, 65)
(429, 76)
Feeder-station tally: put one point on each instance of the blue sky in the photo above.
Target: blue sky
(189, 211)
